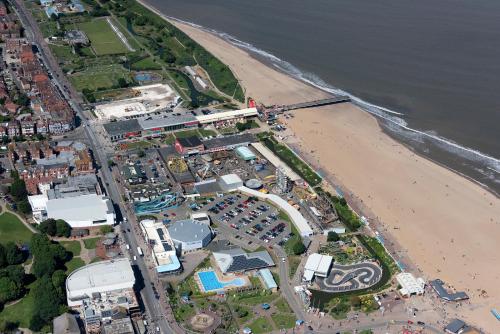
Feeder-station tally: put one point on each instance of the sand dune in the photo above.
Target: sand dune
(449, 226)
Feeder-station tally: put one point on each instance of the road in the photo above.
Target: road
(32, 31)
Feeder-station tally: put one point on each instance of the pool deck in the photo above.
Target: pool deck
(222, 279)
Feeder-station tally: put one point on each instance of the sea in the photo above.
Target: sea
(428, 69)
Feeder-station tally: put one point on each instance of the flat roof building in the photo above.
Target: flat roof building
(268, 279)
(82, 211)
(317, 265)
(228, 142)
(237, 260)
(227, 115)
(189, 145)
(189, 235)
(245, 153)
(438, 286)
(99, 277)
(161, 246)
(230, 182)
(410, 286)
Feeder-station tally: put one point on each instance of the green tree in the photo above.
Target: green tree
(9, 290)
(13, 254)
(298, 247)
(63, 228)
(49, 227)
(122, 83)
(24, 206)
(15, 273)
(44, 265)
(3, 256)
(18, 189)
(332, 236)
(47, 302)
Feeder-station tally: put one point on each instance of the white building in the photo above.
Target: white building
(227, 115)
(317, 265)
(161, 246)
(85, 210)
(100, 277)
(189, 235)
(201, 217)
(230, 182)
(410, 286)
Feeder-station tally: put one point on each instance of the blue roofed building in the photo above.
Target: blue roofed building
(268, 279)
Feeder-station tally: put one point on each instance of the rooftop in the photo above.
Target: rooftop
(237, 260)
(122, 127)
(192, 141)
(229, 141)
(189, 231)
(226, 115)
(100, 276)
(89, 207)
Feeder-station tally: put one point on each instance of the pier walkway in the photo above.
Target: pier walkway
(317, 103)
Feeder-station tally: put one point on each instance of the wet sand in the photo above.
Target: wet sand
(448, 225)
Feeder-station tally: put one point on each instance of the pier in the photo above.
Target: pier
(317, 103)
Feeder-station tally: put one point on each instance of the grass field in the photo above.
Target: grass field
(20, 312)
(74, 264)
(284, 320)
(146, 64)
(91, 243)
(292, 160)
(72, 246)
(260, 325)
(12, 229)
(99, 77)
(103, 39)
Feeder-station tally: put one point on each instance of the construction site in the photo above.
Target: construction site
(146, 100)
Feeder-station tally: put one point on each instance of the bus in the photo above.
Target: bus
(139, 251)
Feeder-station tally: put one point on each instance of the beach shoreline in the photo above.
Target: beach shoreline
(428, 208)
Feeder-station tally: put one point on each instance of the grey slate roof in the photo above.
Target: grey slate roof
(188, 231)
(122, 127)
(243, 139)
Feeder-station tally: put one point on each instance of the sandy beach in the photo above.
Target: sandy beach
(448, 225)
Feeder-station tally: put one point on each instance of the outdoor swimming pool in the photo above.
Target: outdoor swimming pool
(211, 282)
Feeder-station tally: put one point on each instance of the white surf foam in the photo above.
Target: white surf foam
(393, 118)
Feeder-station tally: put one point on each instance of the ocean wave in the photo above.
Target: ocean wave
(393, 119)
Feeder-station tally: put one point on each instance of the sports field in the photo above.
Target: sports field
(103, 39)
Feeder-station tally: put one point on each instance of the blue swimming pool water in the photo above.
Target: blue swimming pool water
(210, 281)
(143, 77)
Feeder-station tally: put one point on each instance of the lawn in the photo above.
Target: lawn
(254, 299)
(19, 313)
(103, 39)
(207, 133)
(260, 325)
(145, 64)
(63, 52)
(187, 133)
(99, 77)
(91, 243)
(284, 320)
(72, 246)
(282, 305)
(293, 161)
(12, 229)
(74, 264)
(138, 145)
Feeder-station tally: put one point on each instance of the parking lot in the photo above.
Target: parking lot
(249, 217)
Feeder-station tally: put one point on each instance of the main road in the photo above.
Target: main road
(153, 306)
